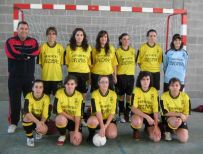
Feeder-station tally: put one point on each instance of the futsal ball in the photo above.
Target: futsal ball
(99, 141)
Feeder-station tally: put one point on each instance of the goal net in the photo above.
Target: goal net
(115, 20)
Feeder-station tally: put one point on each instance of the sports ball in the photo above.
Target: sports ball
(98, 140)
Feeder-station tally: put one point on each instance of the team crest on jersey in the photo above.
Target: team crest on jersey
(76, 101)
(183, 55)
(182, 102)
(152, 96)
(58, 51)
(111, 99)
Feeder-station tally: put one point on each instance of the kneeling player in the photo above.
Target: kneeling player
(68, 104)
(145, 107)
(36, 109)
(176, 109)
(103, 109)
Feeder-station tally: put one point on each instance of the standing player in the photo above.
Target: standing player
(21, 51)
(103, 111)
(149, 57)
(103, 60)
(78, 60)
(125, 75)
(175, 62)
(51, 60)
(36, 109)
(145, 107)
(176, 109)
(68, 105)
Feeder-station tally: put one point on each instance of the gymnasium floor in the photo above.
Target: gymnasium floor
(124, 144)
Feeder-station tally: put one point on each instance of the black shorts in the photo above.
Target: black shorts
(94, 81)
(82, 81)
(166, 87)
(125, 84)
(71, 126)
(156, 80)
(145, 121)
(104, 121)
(183, 125)
(50, 87)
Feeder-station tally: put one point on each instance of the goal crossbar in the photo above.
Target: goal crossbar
(19, 7)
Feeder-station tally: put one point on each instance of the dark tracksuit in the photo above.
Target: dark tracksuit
(21, 66)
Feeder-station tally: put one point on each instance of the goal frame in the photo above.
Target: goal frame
(19, 7)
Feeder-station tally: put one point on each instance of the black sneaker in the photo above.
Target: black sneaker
(127, 118)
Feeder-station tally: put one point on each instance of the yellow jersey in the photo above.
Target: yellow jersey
(71, 105)
(180, 104)
(104, 104)
(146, 102)
(51, 60)
(78, 61)
(126, 61)
(150, 58)
(103, 64)
(38, 107)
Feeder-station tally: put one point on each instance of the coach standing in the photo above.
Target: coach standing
(21, 51)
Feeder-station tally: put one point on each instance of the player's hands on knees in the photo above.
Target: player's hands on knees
(102, 131)
(40, 126)
(76, 136)
(183, 117)
(156, 131)
(178, 121)
(150, 120)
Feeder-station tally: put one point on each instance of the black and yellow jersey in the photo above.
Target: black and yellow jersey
(103, 64)
(78, 61)
(150, 58)
(104, 104)
(180, 104)
(147, 102)
(51, 60)
(71, 105)
(126, 61)
(38, 107)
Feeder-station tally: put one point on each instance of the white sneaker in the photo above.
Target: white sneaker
(83, 123)
(38, 136)
(122, 119)
(168, 136)
(12, 128)
(30, 142)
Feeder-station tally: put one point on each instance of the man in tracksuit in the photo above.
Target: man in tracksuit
(21, 51)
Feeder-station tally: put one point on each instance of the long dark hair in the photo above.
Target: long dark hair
(98, 44)
(141, 75)
(176, 36)
(120, 37)
(73, 43)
